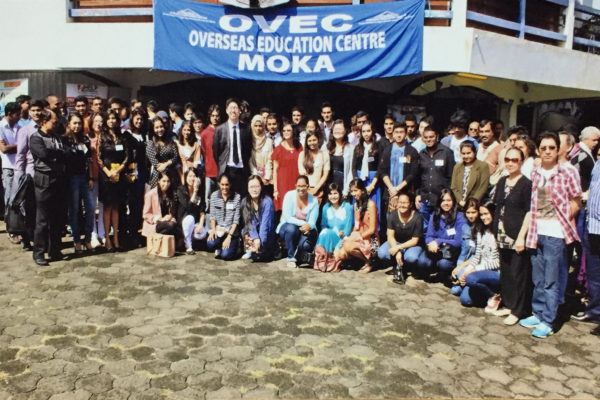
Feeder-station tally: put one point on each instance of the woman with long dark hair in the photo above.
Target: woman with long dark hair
(285, 164)
(336, 223)
(479, 276)
(97, 124)
(188, 147)
(136, 176)
(191, 208)
(224, 217)
(443, 237)
(159, 208)
(340, 155)
(258, 214)
(362, 242)
(314, 163)
(365, 163)
(112, 160)
(162, 153)
(79, 181)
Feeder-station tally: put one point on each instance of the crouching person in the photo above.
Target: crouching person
(258, 232)
(224, 217)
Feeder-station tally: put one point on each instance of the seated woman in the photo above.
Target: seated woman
(258, 212)
(467, 247)
(479, 276)
(404, 231)
(336, 223)
(159, 209)
(298, 224)
(362, 242)
(224, 217)
(191, 208)
(443, 237)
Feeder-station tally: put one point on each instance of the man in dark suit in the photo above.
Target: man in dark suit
(232, 147)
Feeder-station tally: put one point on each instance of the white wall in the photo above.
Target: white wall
(45, 39)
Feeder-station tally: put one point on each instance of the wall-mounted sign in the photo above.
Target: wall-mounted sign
(333, 43)
(11, 89)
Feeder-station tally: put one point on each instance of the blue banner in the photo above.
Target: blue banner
(301, 44)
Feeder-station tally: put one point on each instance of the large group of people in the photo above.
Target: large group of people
(500, 217)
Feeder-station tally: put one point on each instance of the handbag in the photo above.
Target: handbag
(324, 262)
(448, 252)
(160, 245)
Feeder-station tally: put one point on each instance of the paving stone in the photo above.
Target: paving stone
(208, 380)
(238, 353)
(97, 383)
(188, 367)
(75, 395)
(49, 368)
(526, 389)
(113, 394)
(23, 383)
(224, 394)
(132, 383)
(496, 375)
(119, 368)
(57, 384)
(173, 382)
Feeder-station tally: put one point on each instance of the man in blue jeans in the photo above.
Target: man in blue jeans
(555, 201)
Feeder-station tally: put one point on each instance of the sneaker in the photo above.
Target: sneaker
(456, 290)
(503, 312)
(291, 262)
(581, 316)
(510, 320)
(247, 256)
(530, 322)
(190, 252)
(493, 303)
(217, 253)
(542, 331)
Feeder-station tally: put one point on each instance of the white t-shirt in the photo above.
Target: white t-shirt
(548, 226)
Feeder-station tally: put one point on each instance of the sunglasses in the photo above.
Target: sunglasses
(513, 160)
(548, 148)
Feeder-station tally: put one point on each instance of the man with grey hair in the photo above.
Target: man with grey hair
(583, 159)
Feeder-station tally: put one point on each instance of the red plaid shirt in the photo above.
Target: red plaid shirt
(565, 186)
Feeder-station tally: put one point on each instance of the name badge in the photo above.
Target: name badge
(371, 159)
(451, 232)
(230, 206)
(82, 147)
(439, 163)
(119, 147)
(403, 160)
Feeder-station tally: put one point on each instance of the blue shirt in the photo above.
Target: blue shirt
(397, 162)
(263, 228)
(593, 204)
(451, 234)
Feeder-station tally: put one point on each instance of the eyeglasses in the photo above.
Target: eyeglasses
(513, 160)
(301, 186)
(548, 148)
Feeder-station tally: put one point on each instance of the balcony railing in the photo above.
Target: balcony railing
(565, 23)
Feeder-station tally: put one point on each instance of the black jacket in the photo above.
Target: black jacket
(185, 207)
(411, 169)
(48, 153)
(435, 172)
(221, 146)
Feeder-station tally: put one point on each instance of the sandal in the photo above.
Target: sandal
(365, 270)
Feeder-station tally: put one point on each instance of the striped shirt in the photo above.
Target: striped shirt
(564, 187)
(225, 213)
(593, 204)
(486, 256)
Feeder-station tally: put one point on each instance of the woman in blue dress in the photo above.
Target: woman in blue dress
(365, 163)
(336, 223)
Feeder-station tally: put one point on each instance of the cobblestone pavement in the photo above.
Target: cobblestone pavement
(125, 326)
